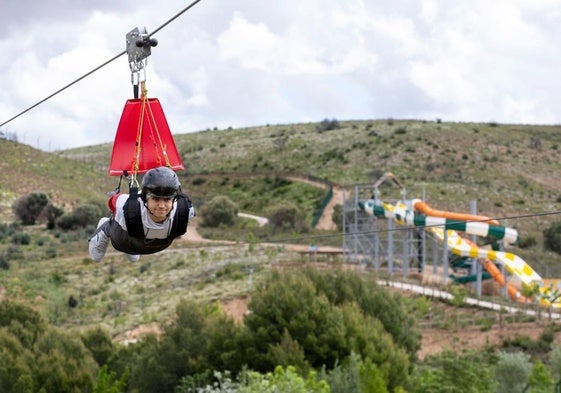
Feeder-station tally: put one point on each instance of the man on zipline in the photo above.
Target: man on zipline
(145, 223)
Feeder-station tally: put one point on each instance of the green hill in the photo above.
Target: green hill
(512, 171)
(67, 182)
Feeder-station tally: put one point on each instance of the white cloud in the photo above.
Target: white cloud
(251, 63)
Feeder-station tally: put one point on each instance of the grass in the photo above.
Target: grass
(511, 171)
(119, 295)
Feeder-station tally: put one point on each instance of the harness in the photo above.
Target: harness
(133, 218)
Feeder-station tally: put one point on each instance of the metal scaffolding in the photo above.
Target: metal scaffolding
(383, 245)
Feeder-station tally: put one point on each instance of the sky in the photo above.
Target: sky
(246, 63)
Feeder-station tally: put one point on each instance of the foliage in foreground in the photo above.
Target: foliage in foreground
(297, 331)
(308, 331)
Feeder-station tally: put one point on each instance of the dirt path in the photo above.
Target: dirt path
(326, 220)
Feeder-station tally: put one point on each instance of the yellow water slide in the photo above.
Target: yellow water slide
(445, 225)
(459, 246)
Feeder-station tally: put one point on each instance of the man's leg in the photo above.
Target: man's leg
(99, 241)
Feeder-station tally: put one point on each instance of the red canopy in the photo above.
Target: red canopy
(143, 140)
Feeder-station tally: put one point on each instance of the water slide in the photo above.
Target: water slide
(445, 225)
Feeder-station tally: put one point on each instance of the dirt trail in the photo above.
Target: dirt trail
(326, 221)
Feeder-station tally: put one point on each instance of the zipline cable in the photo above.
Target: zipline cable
(400, 228)
(98, 67)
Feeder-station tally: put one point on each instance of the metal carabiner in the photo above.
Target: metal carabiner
(138, 44)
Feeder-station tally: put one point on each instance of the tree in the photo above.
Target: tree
(107, 382)
(287, 215)
(290, 304)
(219, 210)
(62, 364)
(16, 374)
(347, 287)
(22, 321)
(29, 207)
(39, 358)
(449, 372)
(328, 125)
(512, 371)
(540, 379)
(199, 339)
(99, 344)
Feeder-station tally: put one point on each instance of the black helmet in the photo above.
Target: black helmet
(160, 182)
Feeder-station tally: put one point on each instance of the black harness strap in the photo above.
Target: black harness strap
(131, 210)
(181, 218)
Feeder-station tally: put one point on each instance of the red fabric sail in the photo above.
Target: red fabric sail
(146, 123)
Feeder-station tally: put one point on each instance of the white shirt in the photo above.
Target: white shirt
(152, 229)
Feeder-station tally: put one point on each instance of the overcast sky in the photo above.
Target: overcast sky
(239, 63)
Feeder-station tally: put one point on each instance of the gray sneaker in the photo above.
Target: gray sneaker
(132, 258)
(98, 242)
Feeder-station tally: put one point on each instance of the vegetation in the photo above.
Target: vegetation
(219, 210)
(63, 318)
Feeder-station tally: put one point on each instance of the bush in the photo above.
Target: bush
(21, 238)
(220, 210)
(287, 215)
(29, 207)
(552, 237)
(328, 125)
(527, 242)
(7, 230)
(4, 263)
(12, 252)
(512, 371)
(81, 217)
(451, 372)
(337, 217)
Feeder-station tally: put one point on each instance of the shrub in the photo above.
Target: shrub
(512, 371)
(7, 230)
(337, 216)
(328, 125)
(28, 208)
(552, 237)
(527, 242)
(287, 215)
(4, 263)
(220, 210)
(80, 217)
(452, 372)
(21, 238)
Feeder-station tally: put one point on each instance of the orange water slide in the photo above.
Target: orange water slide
(424, 208)
(499, 278)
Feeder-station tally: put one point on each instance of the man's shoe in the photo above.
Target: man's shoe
(98, 242)
(132, 258)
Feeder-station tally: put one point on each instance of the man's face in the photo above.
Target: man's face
(159, 207)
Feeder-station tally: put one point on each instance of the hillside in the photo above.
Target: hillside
(68, 183)
(511, 170)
